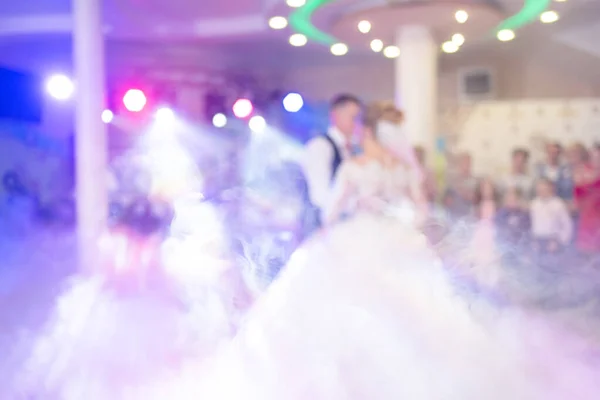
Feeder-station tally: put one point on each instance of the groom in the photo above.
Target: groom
(324, 154)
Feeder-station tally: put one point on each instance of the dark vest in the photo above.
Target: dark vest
(337, 156)
(312, 214)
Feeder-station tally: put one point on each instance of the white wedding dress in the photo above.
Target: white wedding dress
(365, 310)
(371, 186)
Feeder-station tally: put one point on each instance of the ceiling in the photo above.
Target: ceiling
(582, 30)
(196, 30)
(141, 19)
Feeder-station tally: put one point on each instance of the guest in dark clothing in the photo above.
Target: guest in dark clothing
(460, 194)
(513, 225)
(559, 173)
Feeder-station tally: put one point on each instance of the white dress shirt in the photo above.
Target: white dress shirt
(317, 162)
(550, 219)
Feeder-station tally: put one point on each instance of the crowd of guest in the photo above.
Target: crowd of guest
(538, 212)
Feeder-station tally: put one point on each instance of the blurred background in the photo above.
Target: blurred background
(217, 98)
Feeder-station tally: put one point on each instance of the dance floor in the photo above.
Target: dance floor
(34, 265)
(36, 262)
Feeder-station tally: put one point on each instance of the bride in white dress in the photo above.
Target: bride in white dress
(382, 178)
(365, 310)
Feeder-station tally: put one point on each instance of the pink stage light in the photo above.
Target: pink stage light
(135, 100)
(242, 108)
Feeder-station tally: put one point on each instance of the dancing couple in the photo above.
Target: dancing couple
(363, 310)
(365, 155)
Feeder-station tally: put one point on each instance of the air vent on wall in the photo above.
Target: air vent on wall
(476, 84)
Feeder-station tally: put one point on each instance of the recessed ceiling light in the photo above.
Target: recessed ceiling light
(458, 39)
(450, 47)
(391, 52)
(560, 1)
(549, 17)
(364, 26)
(461, 16)
(505, 35)
(278, 23)
(298, 40)
(295, 3)
(339, 49)
(376, 45)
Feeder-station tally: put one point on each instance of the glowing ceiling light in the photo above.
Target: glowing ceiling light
(376, 45)
(364, 26)
(219, 120)
(293, 102)
(298, 40)
(107, 116)
(506, 35)
(257, 124)
(60, 87)
(450, 47)
(458, 39)
(242, 108)
(295, 3)
(549, 17)
(339, 49)
(134, 100)
(461, 16)
(278, 22)
(391, 52)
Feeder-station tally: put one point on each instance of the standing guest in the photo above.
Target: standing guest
(595, 155)
(556, 172)
(429, 184)
(481, 255)
(578, 159)
(486, 199)
(577, 155)
(484, 238)
(512, 224)
(551, 223)
(587, 199)
(519, 177)
(461, 188)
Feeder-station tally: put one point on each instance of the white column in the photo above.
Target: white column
(416, 83)
(90, 140)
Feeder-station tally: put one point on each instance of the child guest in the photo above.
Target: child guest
(551, 223)
(483, 244)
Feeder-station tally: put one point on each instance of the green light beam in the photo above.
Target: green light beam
(301, 19)
(531, 11)
(301, 22)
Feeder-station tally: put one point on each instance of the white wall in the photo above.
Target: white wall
(490, 130)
